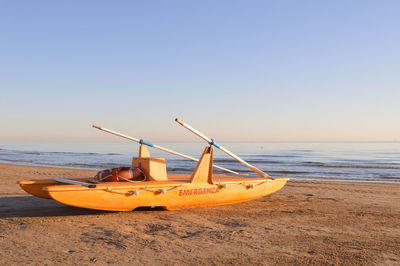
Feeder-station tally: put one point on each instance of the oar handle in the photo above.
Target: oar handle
(210, 141)
(117, 134)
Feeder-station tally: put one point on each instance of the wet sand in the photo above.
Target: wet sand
(304, 223)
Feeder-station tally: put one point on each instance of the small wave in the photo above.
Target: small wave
(215, 170)
(6, 154)
(322, 179)
(224, 161)
(375, 166)
(15, 160)
(265, 162)
(314, 163)
(178, 169)
(390, 177)
(72, 153)
(391, 164)
(31, 152)
(37, 152)
(360, 166)
(179, 160)
(249, 161)
(13, 152)
(285, 172)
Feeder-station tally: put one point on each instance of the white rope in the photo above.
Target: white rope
(136, 191)
(160, 190)
(240, 184)
(163, 191)
(119, 192)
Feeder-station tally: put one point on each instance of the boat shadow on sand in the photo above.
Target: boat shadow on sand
(29, 206)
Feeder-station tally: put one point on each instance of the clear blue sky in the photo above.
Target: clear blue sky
(235, 70)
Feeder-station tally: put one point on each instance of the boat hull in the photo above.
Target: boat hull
(35, 187)
(171, 195)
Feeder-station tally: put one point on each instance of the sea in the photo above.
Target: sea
(324, 161)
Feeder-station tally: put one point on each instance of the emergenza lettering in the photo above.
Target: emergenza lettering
(198, 191)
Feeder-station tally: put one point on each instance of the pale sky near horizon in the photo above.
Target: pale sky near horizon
(235, 70)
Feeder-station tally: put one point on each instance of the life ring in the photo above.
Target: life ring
(130, 174)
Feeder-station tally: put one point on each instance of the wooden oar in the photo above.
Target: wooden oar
(141, 141)
(212, 142)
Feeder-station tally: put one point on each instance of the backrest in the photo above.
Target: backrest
(154, 168)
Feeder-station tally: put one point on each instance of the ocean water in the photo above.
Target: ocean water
(360, 161)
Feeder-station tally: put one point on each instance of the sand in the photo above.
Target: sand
(304, 223)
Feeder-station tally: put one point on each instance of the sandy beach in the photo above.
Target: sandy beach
(304, 223)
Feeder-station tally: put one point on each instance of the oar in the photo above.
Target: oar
(73, 182)
(212, 142)
(141, 141)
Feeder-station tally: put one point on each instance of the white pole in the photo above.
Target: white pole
(211, 141)
(73, 182)
(158, 147)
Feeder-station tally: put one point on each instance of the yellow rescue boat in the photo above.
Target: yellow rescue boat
(157, 189)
